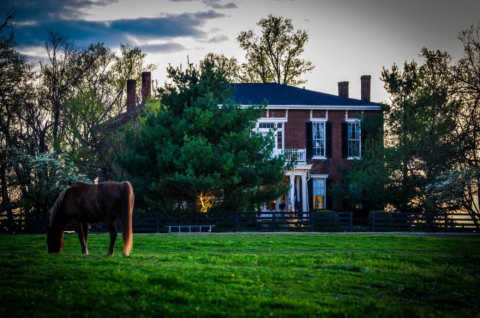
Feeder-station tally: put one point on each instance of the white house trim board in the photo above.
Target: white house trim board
(321, 107)
(273, 120)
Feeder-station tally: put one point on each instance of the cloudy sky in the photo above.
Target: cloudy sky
(347, 38)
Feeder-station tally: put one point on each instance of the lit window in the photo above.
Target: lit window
(319, 193)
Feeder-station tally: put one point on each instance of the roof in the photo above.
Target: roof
(290, 97)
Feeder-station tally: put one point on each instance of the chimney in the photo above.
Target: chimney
(365, 79)
(131, 95)
(343, 89)
(146, 86)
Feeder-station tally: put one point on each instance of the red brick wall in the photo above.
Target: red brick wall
(295, 138)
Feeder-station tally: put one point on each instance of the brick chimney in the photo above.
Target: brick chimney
(146, 86)
(343, 89)
(131, 95)
(365, 80)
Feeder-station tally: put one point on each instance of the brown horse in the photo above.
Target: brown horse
(84, 203)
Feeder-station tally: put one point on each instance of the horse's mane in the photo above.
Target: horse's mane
(57, 204)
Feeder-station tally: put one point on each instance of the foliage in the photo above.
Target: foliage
(243, 276)
(44, 177)
(418, 140)
(194, 154)
(457, 190)
(63, 105)
(274, 56)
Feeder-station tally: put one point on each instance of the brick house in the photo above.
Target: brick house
(321, 131)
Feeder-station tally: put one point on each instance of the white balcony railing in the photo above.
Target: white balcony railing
(295, 155)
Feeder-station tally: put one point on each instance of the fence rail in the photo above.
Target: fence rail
(422, 222)
(157, 222)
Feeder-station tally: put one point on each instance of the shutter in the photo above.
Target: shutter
(309, 137)
(310, 194)
(329, 197)
(344, 140)
(328, 139)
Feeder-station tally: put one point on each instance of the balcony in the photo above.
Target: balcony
(298, 156)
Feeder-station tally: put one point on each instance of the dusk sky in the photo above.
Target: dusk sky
(347, 38)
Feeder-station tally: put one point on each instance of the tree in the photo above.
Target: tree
(457, 190)
(418, 143)
(466, 73)
(274, 56)
(15, 97)
(228, 67)
(99, 96)
(48, 174)
(194, 154)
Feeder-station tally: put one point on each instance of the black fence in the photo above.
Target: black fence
(422, 222)
(162, 222)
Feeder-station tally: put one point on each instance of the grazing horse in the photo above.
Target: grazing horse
(84, 203)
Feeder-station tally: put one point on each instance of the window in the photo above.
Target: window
(318, 138)
(276, 131)
(319, 194)
(354, 139)
(351, 140)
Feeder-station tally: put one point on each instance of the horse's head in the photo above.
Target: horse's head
(54, 241)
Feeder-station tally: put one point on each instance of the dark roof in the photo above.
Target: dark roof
(284, 95)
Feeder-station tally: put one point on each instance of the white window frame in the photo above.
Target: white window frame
(275, 130)
(322, 121)
(359, 140)
(323, 178)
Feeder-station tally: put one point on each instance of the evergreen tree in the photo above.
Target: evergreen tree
(198, 151)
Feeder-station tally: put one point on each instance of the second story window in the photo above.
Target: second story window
(318, 130)
(319, 139)
(354, 139)
(351, 140)
(276, 131)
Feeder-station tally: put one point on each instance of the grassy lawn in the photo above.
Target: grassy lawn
(217, 275)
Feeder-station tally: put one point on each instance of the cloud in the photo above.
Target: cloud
(162, 48)
(32, 10)
(215, 39)
(29, 32)
(217, 4)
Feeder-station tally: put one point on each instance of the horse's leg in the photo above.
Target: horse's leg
(85, 235)
(81, 237)
(112, 227)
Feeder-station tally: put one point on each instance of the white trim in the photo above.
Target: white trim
(319, 158)
(352, 120)
(319, 107)
(316, 120)
(319, 176)
(272, 120)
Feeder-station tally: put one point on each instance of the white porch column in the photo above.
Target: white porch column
(291, 195)
(304, 194)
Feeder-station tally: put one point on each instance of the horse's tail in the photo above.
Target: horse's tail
(127, 211)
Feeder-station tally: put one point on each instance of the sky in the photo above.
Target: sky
(347, 38)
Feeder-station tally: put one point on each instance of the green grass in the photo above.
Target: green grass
(264, 275)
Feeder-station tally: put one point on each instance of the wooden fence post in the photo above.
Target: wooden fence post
(274, 222)
(446, 222)
(236, 221)
(351, 220)
(373, 221)
(312, 221)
